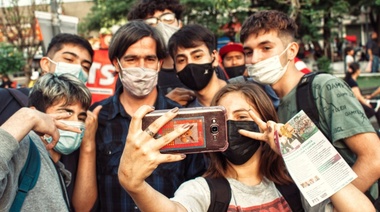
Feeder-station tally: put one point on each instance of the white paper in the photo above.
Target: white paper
(316, 167)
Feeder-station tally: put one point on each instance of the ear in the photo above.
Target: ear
(160, 62)
(292, 50)
(45, 65)
(215, 56)
(116, 65)
(180, 24)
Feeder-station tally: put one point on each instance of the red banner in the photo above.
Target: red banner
(101, 79)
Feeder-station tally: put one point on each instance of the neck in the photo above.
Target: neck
(247, 173)
(288, 81)
(168, 63)
(55, 156)
(132, 103)
(205, 95)
(355, 76)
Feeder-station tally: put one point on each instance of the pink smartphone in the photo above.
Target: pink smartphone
(207, 134)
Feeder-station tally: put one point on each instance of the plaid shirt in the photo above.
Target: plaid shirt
(110, 139)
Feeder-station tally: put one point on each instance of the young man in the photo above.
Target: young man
(195, 58)
(65, 101)
(136, 50)
(269, 43)
(233, 61)
(68, 53)
(165, 16)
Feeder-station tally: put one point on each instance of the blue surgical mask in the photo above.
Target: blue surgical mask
(74, 69)
(69, 141)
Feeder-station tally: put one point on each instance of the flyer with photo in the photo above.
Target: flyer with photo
(316, 167)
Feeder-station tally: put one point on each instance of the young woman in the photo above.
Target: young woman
(351, 77)
(251, 166)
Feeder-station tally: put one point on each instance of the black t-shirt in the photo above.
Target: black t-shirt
(372, 44)
(351, 82)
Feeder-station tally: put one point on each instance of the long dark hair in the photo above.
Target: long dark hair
(271, 164)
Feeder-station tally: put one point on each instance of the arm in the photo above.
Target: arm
(140, 158)
(359, 96)
(373, 94)
(85, 189)
(181, 95)
(367, 165)
(26, 119)
(350, 198)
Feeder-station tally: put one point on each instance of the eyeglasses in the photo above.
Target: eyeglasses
(167, 18)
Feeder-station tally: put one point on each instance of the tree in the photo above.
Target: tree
(11, 59)
(18, 27)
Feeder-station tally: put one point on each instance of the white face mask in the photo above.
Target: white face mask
(166, 31)
(74, 69)
(137, 80)
(68, 141)
(268, 71)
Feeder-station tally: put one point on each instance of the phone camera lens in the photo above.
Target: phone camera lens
(214, 129)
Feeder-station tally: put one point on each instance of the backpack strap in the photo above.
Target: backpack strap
(220, 193)
(20, 97)
(292, 195)
(28, 176)
(305, 97)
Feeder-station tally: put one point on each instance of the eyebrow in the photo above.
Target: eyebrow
(75, 55)
(265, 42)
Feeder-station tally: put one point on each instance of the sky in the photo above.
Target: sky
(7, 3)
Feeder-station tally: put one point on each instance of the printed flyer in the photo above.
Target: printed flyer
(317, 168)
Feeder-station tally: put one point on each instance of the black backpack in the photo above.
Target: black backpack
(220, 195)
(11, 101)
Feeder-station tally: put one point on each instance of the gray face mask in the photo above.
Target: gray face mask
(166, 31)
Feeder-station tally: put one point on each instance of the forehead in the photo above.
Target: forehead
(73, 49)
(144, 46)
(158, 13)
(262, 37)
(233, 54)
(239, 101)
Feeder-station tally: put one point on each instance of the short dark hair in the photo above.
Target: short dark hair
(129, 34)
(61, 39)
(191, 36)
(266, 21)
(348, 49)
(144, 8)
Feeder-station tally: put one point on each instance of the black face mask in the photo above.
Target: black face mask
(235, 71)
(241, 148)
(196, 76)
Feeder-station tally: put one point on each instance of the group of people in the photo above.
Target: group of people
(109, 163)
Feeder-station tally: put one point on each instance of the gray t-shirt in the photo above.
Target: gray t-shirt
(47, 194)
(194, 195)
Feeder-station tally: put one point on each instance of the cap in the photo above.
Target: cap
(229, 47)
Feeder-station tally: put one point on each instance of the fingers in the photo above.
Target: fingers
(262, 125)
(60, 115)
(136, 122)
(161, 121)
(97, 110)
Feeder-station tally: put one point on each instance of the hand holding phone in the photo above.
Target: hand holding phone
(208, 131)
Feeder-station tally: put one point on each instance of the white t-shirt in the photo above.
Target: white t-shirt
(194, 195)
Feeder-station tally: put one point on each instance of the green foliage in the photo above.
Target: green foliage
(324, 64)
(105, 13)
(11, 59)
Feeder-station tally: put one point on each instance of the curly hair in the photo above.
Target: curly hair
(145, 8)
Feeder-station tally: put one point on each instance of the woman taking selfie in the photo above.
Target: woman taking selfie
(250, 164)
